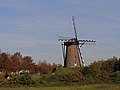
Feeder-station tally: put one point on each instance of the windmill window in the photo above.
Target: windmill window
(69, 63)
(75, 57)
(70, 50)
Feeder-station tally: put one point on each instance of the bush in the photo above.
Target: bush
(25, 79)
(115, 77)
(69, 74)
(14, 79)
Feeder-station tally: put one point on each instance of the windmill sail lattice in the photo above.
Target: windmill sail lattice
(71, 49)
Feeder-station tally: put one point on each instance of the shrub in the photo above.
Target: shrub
(69, 74)
(115, 77)
(14, 79)
(25, 79)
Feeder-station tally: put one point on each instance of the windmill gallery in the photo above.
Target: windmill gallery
(71, 49)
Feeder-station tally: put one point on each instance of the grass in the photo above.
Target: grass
(86, 87)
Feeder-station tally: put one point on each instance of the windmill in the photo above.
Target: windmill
(71, 49)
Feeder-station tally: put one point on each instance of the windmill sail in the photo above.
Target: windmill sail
(73, 19)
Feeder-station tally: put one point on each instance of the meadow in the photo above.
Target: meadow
(85, 87)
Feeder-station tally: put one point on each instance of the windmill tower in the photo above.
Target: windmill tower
(71, 49)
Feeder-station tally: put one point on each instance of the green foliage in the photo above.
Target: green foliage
(117, 66)
(25, 79)
(86, 71)
(65, 71)
(14, 79)
(115, 77)
(69, 74)
(2, 80)
(95, 69)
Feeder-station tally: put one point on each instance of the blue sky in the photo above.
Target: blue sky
(32, 27)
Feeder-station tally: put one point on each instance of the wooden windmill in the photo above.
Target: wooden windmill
(71, 49)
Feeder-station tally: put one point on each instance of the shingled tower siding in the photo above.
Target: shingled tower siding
(72, 56)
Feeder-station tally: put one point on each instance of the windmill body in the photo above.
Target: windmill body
(71, 50)
(72, 57)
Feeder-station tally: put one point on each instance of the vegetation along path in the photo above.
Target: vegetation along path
(86, 87)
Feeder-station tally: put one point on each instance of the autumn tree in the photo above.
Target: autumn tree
(15, 61)
(44, 67)
(27, 64)
(5, 61)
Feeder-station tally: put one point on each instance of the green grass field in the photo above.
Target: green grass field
(86, 87)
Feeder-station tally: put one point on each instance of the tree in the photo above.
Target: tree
(117, 65)
(95, 69)
(44, 68)
(5, 62)
(15, 61)
(86, 71)
(27, 64)
(109, 64)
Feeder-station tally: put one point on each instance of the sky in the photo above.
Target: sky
(32, 27)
